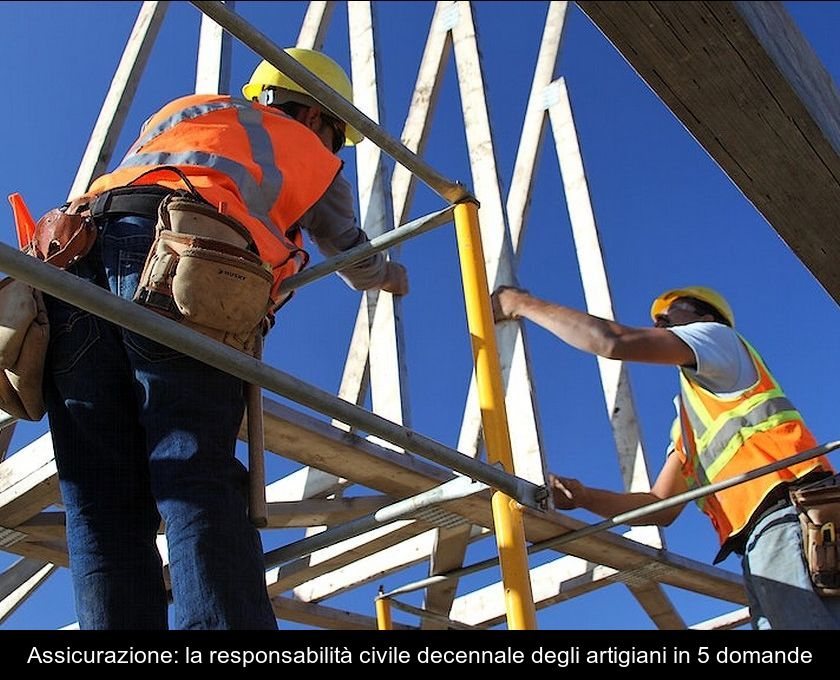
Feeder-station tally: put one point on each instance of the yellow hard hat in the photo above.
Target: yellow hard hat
(707, 295)
(266, 75)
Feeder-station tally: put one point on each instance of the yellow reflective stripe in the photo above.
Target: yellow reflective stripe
(676, 430)
(739, 412)
(697, 413)
(757, 358)
(743, 435)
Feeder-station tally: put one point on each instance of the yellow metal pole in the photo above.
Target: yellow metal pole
(383, 613)
(507, 516)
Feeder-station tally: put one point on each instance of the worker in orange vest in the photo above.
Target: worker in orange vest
(142, 433)
(732, 417)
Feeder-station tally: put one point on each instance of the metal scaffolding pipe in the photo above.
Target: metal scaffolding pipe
(134, 317)
(234, 24)
(624, 517)
(377, 244)
(454, 489)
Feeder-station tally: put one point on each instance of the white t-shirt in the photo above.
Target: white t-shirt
(723, 364)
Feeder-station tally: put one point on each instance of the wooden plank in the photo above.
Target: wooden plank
(53, 551)
(320, 616)
(533, 127)
(115, 108)
(401, 556)
(316, 22)
(19, 581)
(748, 86)
(448, 553)
(288, 576)
(212, 72)
(725, 621)
(409, 552)
(553, 582)
(297, 436)
(44, 526)
(421, 111)
(657, 604)
(302, 484)
(6, 433)
(28, 482)
(317, 512)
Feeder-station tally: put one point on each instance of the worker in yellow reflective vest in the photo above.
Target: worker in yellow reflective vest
(143, 433)
(732, 416)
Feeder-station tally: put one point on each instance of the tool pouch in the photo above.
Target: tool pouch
(819, 515)
(24, 334)
(62, 237)
(201, 272)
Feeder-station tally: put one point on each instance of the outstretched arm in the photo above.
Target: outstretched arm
(591, 333)
(570, 493)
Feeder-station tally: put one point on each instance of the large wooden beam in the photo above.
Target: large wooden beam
(745, 82)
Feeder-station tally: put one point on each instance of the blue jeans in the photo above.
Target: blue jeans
(778, 586)
(141, 433)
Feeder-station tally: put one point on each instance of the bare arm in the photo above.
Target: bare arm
(570, 493)
(592, 334)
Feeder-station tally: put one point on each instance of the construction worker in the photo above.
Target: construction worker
(732, 417)
(143, 433)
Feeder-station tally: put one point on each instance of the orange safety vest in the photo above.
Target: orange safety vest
(253, 162)
(718, 438)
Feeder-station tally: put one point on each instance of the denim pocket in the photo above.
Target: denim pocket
(72, 333)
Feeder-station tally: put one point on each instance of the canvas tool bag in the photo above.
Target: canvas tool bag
(62, 237)
(201, 271)
(819, 515)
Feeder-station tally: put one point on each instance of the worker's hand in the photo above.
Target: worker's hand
(505, 301)
(568, 493)
(396, 279)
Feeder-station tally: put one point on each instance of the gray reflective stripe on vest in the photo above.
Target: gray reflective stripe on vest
(761, 412)
(263, 154)
(184, 114)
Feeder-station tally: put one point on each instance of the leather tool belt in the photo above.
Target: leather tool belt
(819, 515)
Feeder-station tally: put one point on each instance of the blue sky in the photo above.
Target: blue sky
(667, 215)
